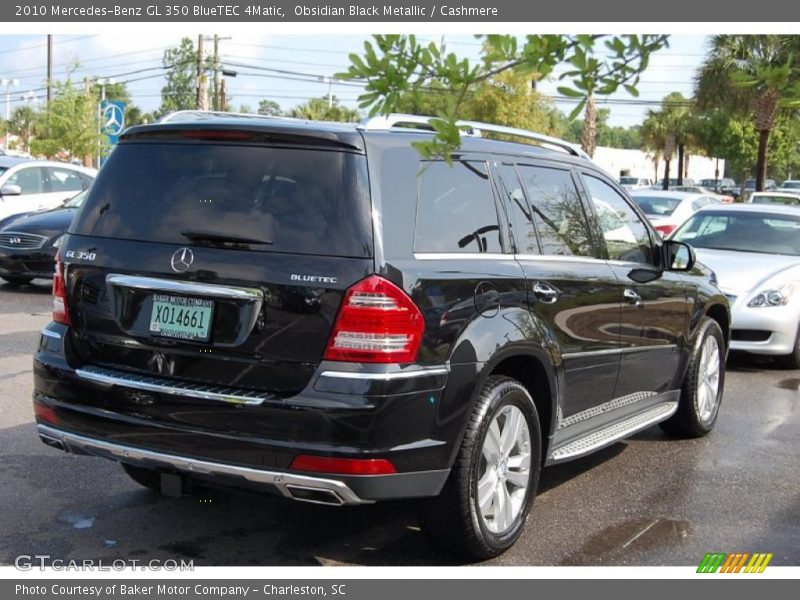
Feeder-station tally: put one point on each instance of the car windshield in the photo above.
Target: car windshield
(657, 206)
(629, 180)
(775, 199)
(750, 184)
(708, 183)
(763, 233)
(75, 201)
(791, 185)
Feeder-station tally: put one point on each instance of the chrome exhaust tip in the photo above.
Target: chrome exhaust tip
(313, 495)
(53, 442)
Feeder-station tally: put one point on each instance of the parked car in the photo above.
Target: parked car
(30, 185)
(475, 319)
(28, 242)
(673, 181)
(754, 250)
(774, 198)
(635, 183)
(667, 210)
(791, 186)
(749, 186)
(725, 186)
(698, 189)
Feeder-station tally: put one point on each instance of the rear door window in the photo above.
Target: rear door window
(557, 211)
(64, 180)
(302, 201)
(523, 232)
(456, 210)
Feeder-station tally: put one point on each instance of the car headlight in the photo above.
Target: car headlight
(773, 296)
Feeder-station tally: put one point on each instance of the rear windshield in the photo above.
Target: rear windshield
(766, 199)
(657, 206)
(292, 200)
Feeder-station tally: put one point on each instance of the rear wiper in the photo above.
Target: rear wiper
(222, 238)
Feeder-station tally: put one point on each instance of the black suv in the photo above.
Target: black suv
(313, 309)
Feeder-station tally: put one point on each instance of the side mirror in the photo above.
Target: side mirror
(10, 190)
(678, 256)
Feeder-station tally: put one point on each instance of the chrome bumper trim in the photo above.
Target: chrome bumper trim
(154, 384)
(72, 442)
(391, 376)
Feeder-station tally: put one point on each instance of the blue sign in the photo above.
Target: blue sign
(112, 114)
(112, 121)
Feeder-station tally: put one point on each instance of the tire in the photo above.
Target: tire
(16, 281)
(149, 478)
(791, 360)
(700, 398)
(456, 519)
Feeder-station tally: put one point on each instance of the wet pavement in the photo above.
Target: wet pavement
(650, 500)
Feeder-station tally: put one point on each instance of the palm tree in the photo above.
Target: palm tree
(757, 75)
(658, 136)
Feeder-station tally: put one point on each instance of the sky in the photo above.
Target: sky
(288, 69)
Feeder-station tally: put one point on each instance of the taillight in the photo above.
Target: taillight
(665, 230)
(60, 312)
(377, 323)
(343, 466)
(44, 413)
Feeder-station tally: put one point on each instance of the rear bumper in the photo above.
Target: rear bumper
(306, 488)
(244, 442)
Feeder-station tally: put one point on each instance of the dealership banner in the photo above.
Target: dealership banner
(376, 589)
(476, 11)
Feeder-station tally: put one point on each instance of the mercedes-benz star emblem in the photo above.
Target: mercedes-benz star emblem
(182, 260)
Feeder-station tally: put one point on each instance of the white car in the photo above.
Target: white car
(775, 198)
(754, 250)
(30, 185)
(667, 210)
(791, 186)
(635, 183)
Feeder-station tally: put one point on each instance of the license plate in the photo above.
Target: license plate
(181, 318)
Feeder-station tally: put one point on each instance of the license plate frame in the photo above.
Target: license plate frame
(182, 318)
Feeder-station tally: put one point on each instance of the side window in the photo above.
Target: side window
(557, 211)
(520, 215)
(456, 209)
(64, 180)
(30, 180)
(626, 236)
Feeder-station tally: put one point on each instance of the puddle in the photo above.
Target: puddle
(623, 538)
(789, 384)
(78, 521)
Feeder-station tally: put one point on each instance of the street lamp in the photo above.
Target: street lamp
(8, 83)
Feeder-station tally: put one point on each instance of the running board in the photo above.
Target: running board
(613, 433)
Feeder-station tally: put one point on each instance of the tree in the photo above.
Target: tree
(394, 65)
(319, 109)
(676, 107)
(269, 108)
(70, 126)
(21, 124)
(606, 135)
(659, 140)
(755, 76)
(180, 89)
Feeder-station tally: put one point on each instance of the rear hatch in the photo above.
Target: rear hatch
(218, 257)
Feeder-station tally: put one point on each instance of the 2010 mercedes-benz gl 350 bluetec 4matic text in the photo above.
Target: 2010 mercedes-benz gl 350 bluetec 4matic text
(316, 310)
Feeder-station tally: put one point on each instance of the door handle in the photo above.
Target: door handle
(545, 293)
(631, 297)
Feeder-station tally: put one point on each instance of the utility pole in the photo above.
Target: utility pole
(217, 74)
(201, 102)
(49, 68)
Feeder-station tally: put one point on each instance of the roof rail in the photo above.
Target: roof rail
(473, 128)
(198, 115)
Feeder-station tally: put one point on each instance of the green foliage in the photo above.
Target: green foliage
(70, 125)
(21, 124)
(607, 135)
(180, 89)
(269, 108)
(396, 66)
(319, 109)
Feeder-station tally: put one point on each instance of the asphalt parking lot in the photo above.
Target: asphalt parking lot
(648, 501)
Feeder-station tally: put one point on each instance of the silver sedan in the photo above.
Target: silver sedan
(755, 252)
